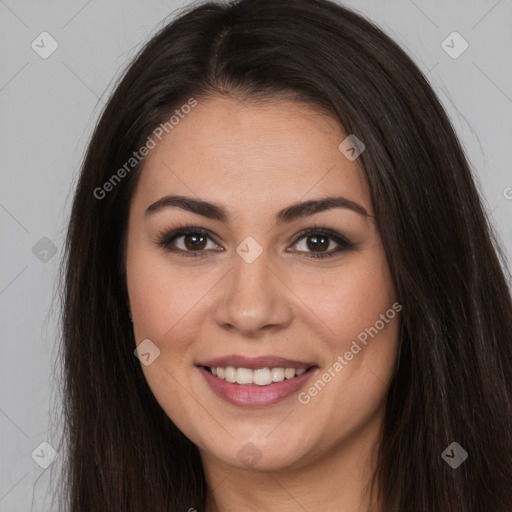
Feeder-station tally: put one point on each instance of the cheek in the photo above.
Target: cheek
(349, 300)
(162, 303)
(361, 317)
(163, 298)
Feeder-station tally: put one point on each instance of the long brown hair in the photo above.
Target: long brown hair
(454, 376)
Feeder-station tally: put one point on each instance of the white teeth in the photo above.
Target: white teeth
(230, 374)
(289, 373)
(262, 377)
(244, 376)
(259, 376)
(277, 374)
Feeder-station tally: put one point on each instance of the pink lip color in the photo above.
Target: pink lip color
(253, 395)
(255, 362)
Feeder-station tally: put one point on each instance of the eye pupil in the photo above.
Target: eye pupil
(318, 245)
(194, 244)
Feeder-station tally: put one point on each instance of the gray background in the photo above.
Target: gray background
(49, 107)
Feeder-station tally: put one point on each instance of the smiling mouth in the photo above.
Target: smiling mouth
(258, 376)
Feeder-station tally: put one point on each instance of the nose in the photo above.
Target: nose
(253, 298)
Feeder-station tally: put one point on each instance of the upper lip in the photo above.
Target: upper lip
(255, 362)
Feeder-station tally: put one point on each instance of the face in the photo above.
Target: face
(304, 323)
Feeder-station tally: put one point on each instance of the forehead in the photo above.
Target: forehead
(250, 155)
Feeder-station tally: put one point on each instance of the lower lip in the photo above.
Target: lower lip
(254, 395)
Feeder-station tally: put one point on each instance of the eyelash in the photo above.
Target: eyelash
(166, 238)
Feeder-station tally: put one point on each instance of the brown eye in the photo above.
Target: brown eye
(318, 242)
(194, 241)
(187, 242)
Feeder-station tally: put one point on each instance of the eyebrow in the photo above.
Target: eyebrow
(290, 213)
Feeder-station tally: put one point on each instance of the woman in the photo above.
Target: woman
(281, 290)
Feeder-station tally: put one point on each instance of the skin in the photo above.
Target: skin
(255, 159)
